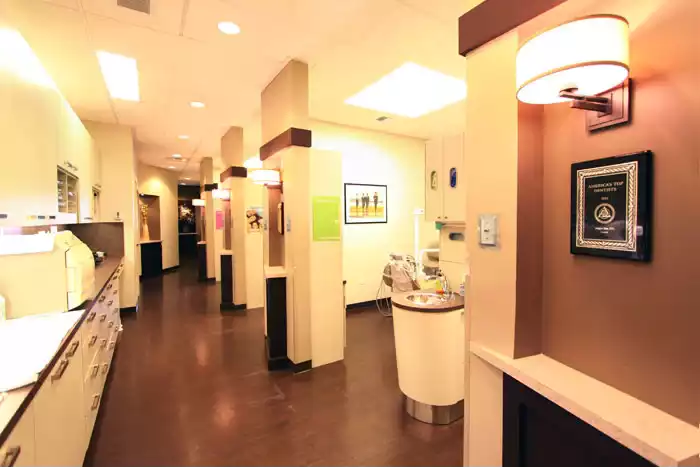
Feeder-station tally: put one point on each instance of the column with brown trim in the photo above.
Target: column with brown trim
(233, 179)
(206, 176)
(311, 268)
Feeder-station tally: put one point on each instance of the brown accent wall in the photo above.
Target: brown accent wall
(635, 326)
(528, 287)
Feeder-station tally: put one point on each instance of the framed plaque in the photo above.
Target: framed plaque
(611, 207)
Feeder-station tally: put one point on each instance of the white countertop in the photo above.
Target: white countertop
(27, 346)
(653, 434)
(275, 271)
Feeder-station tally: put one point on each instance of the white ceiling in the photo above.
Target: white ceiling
(182, 57)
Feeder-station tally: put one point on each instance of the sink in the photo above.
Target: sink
(426, 299)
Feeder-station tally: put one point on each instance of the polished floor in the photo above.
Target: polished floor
(190, 386)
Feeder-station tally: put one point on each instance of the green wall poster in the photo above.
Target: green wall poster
(326, 218)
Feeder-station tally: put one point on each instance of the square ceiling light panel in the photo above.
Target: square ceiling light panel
(121, 75)
(411, 91)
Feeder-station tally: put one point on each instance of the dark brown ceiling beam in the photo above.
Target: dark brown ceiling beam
(291, 137)
(493, 18)
(233, 171)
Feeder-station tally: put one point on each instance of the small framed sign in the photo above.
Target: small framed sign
(611, 207)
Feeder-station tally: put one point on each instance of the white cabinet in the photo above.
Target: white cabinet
(19, 448)
(445, 192)
(59, 411)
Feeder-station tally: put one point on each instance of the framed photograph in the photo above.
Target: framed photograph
(611, 207)
(365, 204)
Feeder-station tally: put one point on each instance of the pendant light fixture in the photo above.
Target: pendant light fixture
(575, 61)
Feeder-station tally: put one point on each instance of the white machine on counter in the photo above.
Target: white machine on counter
(45, 273)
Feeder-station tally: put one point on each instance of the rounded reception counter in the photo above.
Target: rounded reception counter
(429, 336)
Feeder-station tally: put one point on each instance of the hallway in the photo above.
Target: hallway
(190, 387)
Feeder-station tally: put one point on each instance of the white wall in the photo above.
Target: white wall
(382, 159)
(163, 183)
(118, 167)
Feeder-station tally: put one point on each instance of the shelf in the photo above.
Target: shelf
(653, 434)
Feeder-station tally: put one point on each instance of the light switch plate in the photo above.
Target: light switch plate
(488, 230)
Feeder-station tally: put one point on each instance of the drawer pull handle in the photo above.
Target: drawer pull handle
(109, 286)
(116, 291)
(105, 368)
(102, 299)
(115, 311)
(11, 456)
(110, 324)
(110, 303)
(102, 318)
(61, 369)
(92, 340)
(73, 347)
(95, 370)
(111, 345)
(95, 401)
(103, 343)
(91, 316)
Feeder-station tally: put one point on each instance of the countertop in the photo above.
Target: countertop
(146, 242)
(455, 302)
(14, 403)
(275, 271)
(653, 434)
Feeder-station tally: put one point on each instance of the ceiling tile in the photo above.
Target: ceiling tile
(165, 16)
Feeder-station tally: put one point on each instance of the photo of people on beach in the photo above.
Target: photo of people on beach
(365, 204)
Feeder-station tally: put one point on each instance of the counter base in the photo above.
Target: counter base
(435, 414)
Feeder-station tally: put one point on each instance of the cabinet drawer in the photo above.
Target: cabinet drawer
(19, 448)
(59, 412)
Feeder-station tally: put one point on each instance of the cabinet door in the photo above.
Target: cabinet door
(18, 450)
(434, 181)
(454, 191)
(59, 412)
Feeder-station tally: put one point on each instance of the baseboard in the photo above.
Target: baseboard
(129, 309)
(232, 307)
(301, 366)
(171, 269)
(209, 280)
(353, 306)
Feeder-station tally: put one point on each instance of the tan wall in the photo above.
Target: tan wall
(382, 159)
(255, 282)
(635, 326)
(285, 101)
(116, 145)
(163, 183)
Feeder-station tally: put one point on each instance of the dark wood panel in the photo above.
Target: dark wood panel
(226, 280)
(210, 186)
(276, 289)
(233, 171)
(202, 261)
(493, 18)
(539, 433)
(151, 259)
(291, 137)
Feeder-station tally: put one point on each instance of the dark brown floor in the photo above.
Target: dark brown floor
(190, 387)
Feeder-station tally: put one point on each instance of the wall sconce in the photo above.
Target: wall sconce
(198, 202)
(265, 177)
(218, 193)
(578, 61)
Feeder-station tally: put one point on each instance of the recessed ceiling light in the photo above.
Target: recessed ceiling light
(188, 178)
(171, 166)
(121, 75)
(197, 105)
(177, 156)
(184, 137)
(411, 91)
(229, 28)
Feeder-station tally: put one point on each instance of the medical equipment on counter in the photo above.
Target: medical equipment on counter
(398, 276)
(44, 273)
